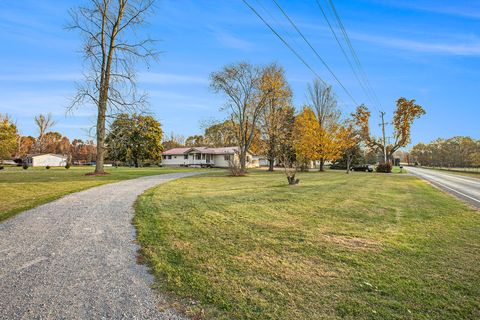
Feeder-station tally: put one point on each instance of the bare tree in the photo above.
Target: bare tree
(241, 84)
(290, 168)
(323, 101)
(43, 123)
(111, 48)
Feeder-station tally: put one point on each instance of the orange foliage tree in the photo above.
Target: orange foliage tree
(405, 113)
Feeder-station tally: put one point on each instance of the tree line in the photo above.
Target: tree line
(453, 152)
(17, 146)
(131, 139)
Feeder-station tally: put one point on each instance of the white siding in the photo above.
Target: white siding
(176, 160)
(222, 163)
(48, 160)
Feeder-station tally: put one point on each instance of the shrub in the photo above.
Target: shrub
(2, 167)
(147, 164)
(384, 167)
(47, 167)
(67, 166)
(25, 167)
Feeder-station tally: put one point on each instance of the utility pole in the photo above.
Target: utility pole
(384, 138)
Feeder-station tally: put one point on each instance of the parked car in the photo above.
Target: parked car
(363, 167)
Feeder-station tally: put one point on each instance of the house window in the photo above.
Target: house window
(185, 157)
(203, 156)
(175, 157)
(169, 157)
(198, 156)
(226, 157)
(164, 157)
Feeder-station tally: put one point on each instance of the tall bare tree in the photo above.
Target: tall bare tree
(322, 100)
(43, 123)
(245, 102)
(111, 47)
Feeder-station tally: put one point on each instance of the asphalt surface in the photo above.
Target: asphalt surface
(463, 187)
(75, 258)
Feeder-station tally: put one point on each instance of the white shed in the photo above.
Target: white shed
(46, 159)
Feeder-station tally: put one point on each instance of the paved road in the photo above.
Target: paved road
(463, 187)
(75, 258)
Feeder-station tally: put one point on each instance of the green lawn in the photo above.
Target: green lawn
(357, 246)
(23, 189)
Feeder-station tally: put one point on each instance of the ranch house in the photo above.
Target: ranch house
(205, 157)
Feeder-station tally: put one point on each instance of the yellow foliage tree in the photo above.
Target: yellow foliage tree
(312, 141)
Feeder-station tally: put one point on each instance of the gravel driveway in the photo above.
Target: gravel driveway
(75, 258)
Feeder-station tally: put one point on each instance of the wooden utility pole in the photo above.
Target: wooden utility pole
(382, 114)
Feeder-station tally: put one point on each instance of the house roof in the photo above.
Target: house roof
(223, 150)
(175, 151)
(44, 154)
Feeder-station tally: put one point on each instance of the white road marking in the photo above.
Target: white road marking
(434, 180)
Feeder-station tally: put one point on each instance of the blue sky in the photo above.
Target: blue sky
(423, 50)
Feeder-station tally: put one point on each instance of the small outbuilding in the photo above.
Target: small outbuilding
(45, 159)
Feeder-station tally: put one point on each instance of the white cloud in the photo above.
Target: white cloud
(451, 47)
(230, 41)
(469, 10)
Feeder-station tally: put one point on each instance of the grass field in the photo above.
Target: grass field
(23, 189)
(358, 246)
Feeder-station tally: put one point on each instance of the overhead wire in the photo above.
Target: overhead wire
(294, 51)
(354, 55)
(312, 48)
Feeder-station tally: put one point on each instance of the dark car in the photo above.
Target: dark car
(362, 167)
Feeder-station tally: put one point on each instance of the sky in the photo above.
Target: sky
(423, 50)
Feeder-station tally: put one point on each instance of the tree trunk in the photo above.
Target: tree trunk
(100, 137)
(135, 161)
(322, 163)
(243, 158)
(349, 161)
(270, 164)
(271, 154)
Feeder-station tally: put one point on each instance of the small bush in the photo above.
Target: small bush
(47, 167)
(25, 167)
(384, 167)
(2, 167)
(147, 164)
(67, 166)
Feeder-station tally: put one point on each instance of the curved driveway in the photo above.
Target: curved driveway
(75, 258)
(463, 187)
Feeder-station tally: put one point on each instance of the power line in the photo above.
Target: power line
(311, 47)
(354, 54)
(364, 88)
(291, 48)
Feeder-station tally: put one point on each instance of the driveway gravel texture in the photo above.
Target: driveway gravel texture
(75, 258)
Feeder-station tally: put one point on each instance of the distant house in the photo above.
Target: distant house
(45, 159)
(205, 156)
